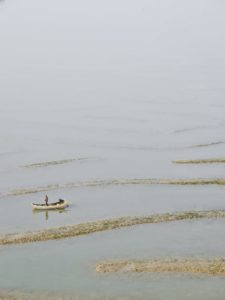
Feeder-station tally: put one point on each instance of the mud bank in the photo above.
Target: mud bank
(193, 266)
(103, 225)
(54, 162)
(200, 161)
(99, 183)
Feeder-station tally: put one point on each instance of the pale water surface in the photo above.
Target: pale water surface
(131, 86)
(72, 262)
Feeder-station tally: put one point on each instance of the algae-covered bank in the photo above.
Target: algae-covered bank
(104, 225)
(117, 182)
(192, 266)
(201, 161)
(54, 162)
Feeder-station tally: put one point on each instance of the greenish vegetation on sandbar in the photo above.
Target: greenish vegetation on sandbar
(207, 145)
(135, 181)
(53, 162)
(200, 161)
(103, 225)
(193, 266)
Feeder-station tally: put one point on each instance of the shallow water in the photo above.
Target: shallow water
(88, 204)
(131, 86)
(72, 262)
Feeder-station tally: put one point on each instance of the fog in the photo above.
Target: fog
(109, 74)
(67, 53)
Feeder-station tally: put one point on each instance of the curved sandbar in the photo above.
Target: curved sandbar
(95, 183)
(200, 161)
(54, 162)
(193, 266)
(103, 225)
(206, 145)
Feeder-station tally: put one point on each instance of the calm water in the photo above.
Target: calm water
(72, 262)
(131, 86)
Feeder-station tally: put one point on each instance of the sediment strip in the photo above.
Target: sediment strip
(103, 225)
(193, 266)
(53, 162)
(152, 148)
(200, 161)
(206, 145)
(18, 295)
(95, 183)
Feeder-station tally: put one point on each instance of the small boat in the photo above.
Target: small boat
(56, 205)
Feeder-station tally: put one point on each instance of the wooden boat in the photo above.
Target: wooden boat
(61, 204)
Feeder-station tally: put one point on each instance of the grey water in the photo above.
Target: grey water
(72, 263)
(131, 86)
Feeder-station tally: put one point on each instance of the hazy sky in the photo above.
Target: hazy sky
(63, 51)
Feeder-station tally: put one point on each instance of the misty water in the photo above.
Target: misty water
(130, 86)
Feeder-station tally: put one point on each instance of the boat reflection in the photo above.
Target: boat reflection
(47, 213)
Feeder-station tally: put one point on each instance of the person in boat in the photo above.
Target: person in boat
(46, 200)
